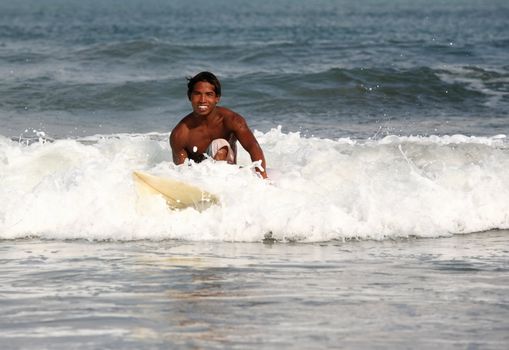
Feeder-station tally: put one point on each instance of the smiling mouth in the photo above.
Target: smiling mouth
(202, 108)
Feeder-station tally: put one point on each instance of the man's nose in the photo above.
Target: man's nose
(203, 98)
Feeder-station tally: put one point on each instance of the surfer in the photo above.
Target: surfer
(211, 129)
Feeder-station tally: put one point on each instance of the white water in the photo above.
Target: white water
(319, 190)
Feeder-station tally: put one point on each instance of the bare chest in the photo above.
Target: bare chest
(199, 138)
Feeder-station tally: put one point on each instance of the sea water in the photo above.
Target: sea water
(448, 293)
(384, 219)
(319, 189)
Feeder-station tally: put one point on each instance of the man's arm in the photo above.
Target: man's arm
(248, 141)
(178, 150)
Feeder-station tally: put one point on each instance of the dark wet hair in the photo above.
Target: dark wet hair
(203, 76)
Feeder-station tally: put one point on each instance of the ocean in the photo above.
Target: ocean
(384, 223)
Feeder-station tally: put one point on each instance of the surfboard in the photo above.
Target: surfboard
(178, 194)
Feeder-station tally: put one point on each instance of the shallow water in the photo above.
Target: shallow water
(447, 293)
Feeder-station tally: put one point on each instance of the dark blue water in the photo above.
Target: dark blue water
(325, 68)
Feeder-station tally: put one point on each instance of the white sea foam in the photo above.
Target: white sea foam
(319, 190)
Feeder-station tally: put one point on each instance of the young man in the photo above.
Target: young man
(210, 129)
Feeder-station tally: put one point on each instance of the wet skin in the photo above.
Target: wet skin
(207, 122)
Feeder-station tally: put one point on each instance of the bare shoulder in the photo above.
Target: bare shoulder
(180, 131)
(232, 120)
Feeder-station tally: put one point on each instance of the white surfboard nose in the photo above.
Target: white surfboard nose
(178, 195)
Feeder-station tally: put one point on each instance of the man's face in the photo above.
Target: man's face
(203, 98)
